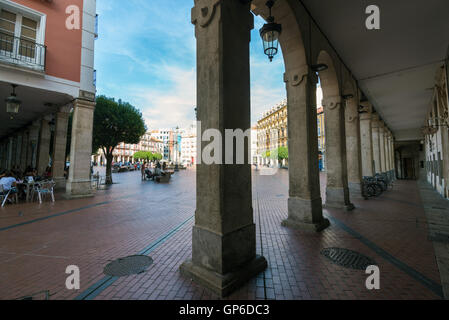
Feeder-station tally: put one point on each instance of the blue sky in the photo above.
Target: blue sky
(146, 55)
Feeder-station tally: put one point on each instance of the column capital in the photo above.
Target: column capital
(365, 116)
(81, 103)
(204, 12)
(296, 76)
(34, 125)
(366, 108)
(65, 109)
(332, 102)
(47, 117)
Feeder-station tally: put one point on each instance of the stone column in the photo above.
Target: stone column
(2, 155)
(79, 184)
(337, 191)
(382, 146)
(59, 146)
(388, 154)
(18, 159)
(33, 144)
(24, 152)
(392, 157)
(305, 208)
(224, 236)
(366, 138)
(43, 157)
(13, 151)
(375, 123)
(9, 154)
(353, 147)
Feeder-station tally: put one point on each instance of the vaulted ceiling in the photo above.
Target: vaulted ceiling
(396, 65)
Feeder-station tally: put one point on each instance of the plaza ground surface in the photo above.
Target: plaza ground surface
(38, 242)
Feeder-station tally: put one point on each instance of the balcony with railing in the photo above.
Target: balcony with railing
(22, 53)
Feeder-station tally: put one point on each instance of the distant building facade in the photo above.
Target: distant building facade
(272, 131)
(188, 146)
(124, 152)
(321, 139)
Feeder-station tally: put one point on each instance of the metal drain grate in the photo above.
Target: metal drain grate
(128, 266)
(348, 258)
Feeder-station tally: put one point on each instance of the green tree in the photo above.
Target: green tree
(266, 154)
(138, 155)
(144, 155)
(283, 153)
(157, 156)
(114, 123)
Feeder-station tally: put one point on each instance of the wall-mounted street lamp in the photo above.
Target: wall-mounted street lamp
(319, 67)
(12, 103)
(270, 34)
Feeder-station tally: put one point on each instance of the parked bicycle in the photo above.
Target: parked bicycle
(384, 180)
(371, 187)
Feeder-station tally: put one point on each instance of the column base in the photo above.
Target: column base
(78, 190)
(223, 285)
(336, 199)
(304, 214)
(61, 183)
(355, 190)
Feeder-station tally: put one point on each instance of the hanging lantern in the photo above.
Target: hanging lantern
(12, 103)
(270, 34)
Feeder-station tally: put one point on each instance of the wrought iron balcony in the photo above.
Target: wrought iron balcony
(21, 52)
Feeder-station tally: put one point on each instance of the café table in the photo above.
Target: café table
(28, 186)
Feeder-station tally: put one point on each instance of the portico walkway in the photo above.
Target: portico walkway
(36, 246)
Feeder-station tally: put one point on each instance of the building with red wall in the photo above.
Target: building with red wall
(47, 63)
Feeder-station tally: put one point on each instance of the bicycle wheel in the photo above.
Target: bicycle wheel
(377, 189)
(383, 185)
(369, 191)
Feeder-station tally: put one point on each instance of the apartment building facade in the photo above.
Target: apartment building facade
(189, 146)
(47, 72)
(271, 131)
(124, 152)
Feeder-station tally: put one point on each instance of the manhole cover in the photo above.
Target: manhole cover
(128, 266)
(348, 258)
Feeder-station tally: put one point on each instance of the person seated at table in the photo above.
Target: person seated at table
(9, 183)
(149, 174)
(30, 174)
(47, 175)
(158, 169)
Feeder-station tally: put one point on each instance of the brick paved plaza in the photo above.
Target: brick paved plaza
(38, 242)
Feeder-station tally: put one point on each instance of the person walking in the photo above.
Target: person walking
(142, 170)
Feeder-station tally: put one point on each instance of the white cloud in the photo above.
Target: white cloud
(173, 106)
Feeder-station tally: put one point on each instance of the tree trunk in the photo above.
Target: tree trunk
(109, 159)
